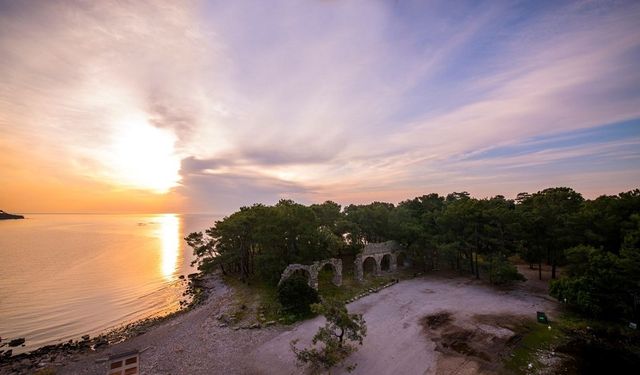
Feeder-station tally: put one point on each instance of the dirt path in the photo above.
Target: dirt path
(399, 343)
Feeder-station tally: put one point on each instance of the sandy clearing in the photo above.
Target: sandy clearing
(396, 342)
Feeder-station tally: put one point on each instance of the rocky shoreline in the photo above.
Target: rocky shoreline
(57, 355)
(198, 290)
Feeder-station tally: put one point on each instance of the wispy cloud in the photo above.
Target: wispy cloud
(314, 100)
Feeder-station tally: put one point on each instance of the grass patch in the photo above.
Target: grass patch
(258, 301)
(255, 301)
(537, 337)
(350, 287)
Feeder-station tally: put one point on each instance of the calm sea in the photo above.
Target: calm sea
(66, 275)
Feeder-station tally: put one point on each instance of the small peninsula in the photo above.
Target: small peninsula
(8, 216)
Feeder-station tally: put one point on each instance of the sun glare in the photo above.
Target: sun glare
(143, 157)
(169, 234)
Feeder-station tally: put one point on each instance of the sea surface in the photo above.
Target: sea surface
(66, 275)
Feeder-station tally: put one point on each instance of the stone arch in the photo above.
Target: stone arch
(336, 267)
(292, 268)
(359, 263)
(313, 270)
(373, 262)
(383, 252)
(385, 262)
(301, 273)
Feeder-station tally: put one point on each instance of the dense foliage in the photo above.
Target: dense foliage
(296, 296)
(337, 337)
(456, 231)
(602, 283)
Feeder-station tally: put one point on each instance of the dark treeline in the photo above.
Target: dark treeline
(598, 241)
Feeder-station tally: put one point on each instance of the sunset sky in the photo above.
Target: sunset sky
(205, 106)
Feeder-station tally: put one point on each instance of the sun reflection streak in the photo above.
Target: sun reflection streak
(170, 237)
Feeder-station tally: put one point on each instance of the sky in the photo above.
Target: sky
(206, 106)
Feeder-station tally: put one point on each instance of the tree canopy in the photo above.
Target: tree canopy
(556, 226)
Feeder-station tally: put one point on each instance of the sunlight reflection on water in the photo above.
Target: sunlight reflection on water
(63, 276)
(169, 234)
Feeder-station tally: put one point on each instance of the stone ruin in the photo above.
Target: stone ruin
(389, 250)
(313, 270)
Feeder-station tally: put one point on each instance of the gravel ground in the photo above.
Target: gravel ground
(398, 340)
(398, 343)
(191, 343)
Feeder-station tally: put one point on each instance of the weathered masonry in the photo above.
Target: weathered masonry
(383, 256)
(313, 270)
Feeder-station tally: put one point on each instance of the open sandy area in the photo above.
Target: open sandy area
(479, 321)
(427, 325)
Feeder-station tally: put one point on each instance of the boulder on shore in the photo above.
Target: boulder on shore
(16, 342)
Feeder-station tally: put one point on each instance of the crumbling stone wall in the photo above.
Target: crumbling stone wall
(377, 252)
(313, 270)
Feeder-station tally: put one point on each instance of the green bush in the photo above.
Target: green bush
(598, 286)
(337, 338)
(295, 295)
(503, 272)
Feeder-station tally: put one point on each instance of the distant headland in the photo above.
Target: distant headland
(8, 216)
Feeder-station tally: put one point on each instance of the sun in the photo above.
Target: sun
(142, 156)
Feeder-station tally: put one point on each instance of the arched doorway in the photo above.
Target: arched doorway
(300, 274)
(369, 266)
(385, 263)
(297, 271)
(326, 278)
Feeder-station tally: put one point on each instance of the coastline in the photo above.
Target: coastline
(205, 338)
(65, 276)
(56, 355)
(202, 340)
